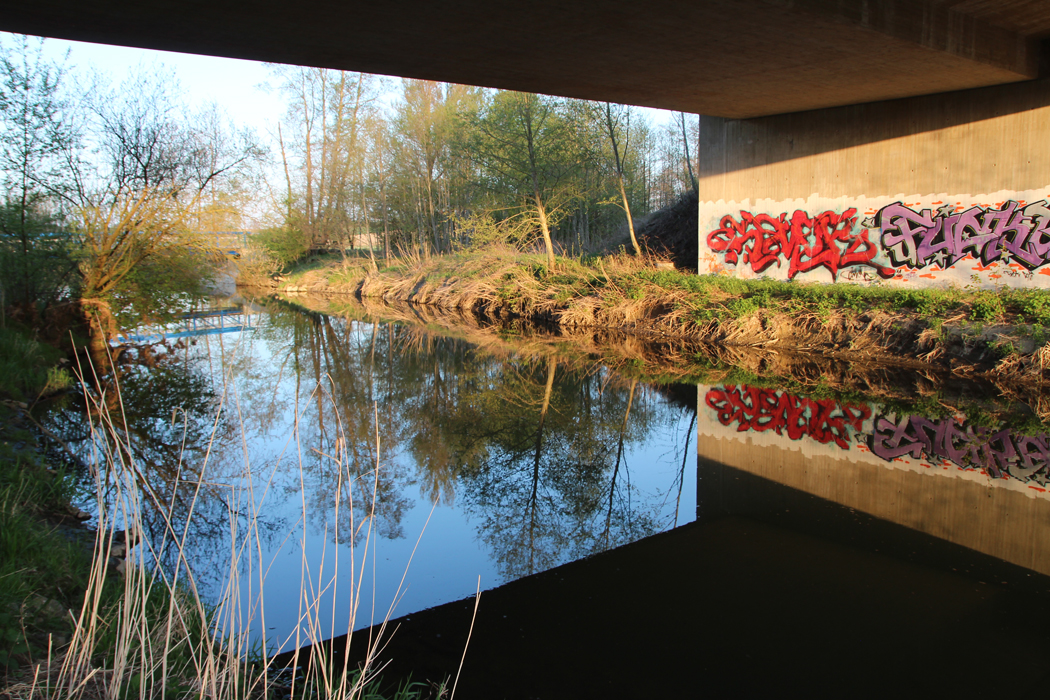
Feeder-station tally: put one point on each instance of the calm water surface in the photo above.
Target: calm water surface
(868, 533)
(491, 467)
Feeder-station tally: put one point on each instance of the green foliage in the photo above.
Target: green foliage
(284, 245)
(744, 306)
(27, 366)
(1003, 348)
(986, 306)
(36, 261)
(37, 563)
(169, 282)
(34, 136)
(12, 641)
(529, 155)
(1034, 305)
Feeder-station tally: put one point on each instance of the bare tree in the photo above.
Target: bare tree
(612, 124)
(137, 199)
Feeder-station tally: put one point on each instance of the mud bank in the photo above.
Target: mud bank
(930, 332)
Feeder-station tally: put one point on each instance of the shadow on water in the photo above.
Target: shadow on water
(849, 542)
(859, 529)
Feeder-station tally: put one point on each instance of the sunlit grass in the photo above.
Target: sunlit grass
(512, 274)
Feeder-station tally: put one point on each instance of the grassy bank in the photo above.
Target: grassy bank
(43, 569)
(1001, 333)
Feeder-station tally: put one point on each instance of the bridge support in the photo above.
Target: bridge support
(931, 190)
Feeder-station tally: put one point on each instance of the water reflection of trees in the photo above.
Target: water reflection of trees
(157, 420)
(536, 451)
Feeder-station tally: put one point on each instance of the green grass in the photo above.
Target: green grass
(42, 570)
(28, 367)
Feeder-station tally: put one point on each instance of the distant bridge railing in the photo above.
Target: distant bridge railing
(224, 240)
(231, 319)
(233, 243)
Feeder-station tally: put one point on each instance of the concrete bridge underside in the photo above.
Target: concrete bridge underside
(812, 108)
(726, 58)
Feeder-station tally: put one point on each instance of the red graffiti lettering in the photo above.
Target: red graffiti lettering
(758, 409)
(807, 243)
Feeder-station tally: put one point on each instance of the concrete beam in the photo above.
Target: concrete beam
(973, 141)
(732, 58)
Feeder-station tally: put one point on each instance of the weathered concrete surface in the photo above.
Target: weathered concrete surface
(734, 58)
(1005, 524)
(925, 191)
(973, 141)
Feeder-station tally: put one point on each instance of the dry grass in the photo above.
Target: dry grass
(939, 328)
(149, 633)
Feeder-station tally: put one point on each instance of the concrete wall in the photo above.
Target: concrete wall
(920, 191)
(982, 488)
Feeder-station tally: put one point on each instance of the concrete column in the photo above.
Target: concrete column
(933, 190)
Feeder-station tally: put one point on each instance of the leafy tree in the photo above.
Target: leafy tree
(526, 146)
(618, 128)
(432, 165)
(35, 132)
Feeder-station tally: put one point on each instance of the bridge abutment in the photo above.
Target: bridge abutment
(932, 190)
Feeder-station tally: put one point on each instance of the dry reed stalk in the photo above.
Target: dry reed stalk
(212, 658)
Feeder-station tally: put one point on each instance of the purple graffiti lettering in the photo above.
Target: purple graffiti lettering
(999, 453)
(918, 238)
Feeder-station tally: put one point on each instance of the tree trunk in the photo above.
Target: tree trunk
(688, 160)
(533, 498)
(541, 212)
(630, 219)
(102, 326)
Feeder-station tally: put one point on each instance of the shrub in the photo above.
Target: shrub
(986, 306)
(284, 245)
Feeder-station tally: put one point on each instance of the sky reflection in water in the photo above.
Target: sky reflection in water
(498, 466)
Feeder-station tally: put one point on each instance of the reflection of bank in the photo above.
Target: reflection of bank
(984, 489)
(786, 580)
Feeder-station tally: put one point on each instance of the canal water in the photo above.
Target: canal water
(740, 531)
(389, 469)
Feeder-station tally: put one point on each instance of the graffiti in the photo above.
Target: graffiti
(1009, 233)
(856, 274)
(1009, 240)
(766, 409)
(807, 243)
(999, 452)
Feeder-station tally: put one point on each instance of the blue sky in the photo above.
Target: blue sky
(242, 88)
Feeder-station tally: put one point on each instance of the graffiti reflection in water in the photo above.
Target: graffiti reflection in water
(952, 443)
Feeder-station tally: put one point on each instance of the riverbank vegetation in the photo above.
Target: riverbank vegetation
(448, 167)
(508, 208)
(1001, 333)
(41, 570)
(105, 190)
